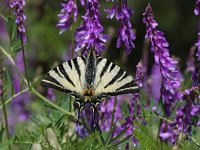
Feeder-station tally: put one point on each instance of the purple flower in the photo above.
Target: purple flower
(51, 94)
(165, 136)
(81, 130)
(156, 82)
(89, 34)
(134, 116)
(134, 103)
(196, 76)
(186, 117)
(197, 8)
(126, 35)
(198, 45)
(68, 11)
(107, 108)
(159, 45)
(139, 74)
(20, 17)
(87, 115)
(82, 2)
(190, 60)
(111, 12)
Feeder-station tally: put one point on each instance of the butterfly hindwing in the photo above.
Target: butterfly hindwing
(112, 80)
(67, 77)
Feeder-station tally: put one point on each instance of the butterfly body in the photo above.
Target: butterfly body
(90, 79)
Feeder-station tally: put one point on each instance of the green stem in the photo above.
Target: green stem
(7, 55)
(71, 98)
(32, 89)
(11, 98)
(111, 126)
(3, 17)
(158, 137)
(52, 104)
(70, 110)
(86, 125)
(13, 63)
(2, 98)
(194, 140)
(119, 135)
(6, 118)
(101, 138)
(24, 58)
(125, 139)
(156, 115)
(25, 142)
(10, 27)
(17, 94)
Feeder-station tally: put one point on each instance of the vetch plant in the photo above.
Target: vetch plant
(123, 13)
(101, 106)
(159, 46)
(68, 11)
(20, 17)
(90, 33)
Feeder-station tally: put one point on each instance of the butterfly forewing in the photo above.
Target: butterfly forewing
(71, 77)
(112, 80)
(67, 77)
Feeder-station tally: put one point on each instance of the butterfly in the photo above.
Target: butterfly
(90, 79)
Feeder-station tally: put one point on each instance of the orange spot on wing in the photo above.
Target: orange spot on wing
(88, 92)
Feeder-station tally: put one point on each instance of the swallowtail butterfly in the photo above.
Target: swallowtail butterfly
(89, 79)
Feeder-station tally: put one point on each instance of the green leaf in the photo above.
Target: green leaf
(120, 142)
(90, 143)
(119, 135)
(2, 130)
(16, 46)
(5, 145)
(145, 140)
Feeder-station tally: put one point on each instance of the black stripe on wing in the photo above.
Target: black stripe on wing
(123, 92)
(126, 89)
(112, 67)
(124, 76)
(50, 82)
(62, 70)
(116, 77)
(83, 59)
(105, 68)
(61, 73)
(56, 70)
(70, 64)
(120, 77)
(77, 66)
(131, 86)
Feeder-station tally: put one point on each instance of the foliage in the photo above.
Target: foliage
(164, 115)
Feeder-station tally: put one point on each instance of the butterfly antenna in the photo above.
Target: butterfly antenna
(94, 115)
(79, 113)
(78, 116)
(96, 122)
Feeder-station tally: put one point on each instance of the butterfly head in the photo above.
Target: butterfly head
(88, 95)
